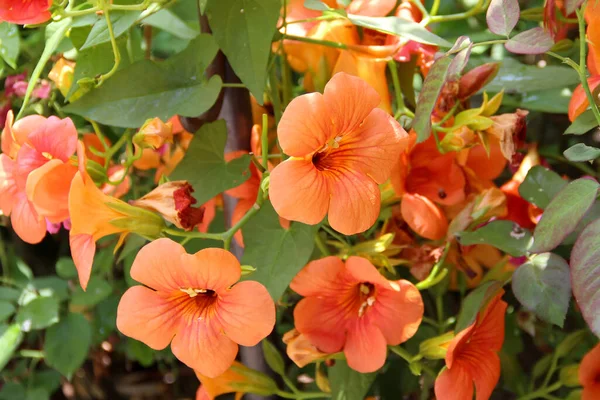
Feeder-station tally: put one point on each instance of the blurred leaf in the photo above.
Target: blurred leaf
(564, 211)
(148, 89)
(9, 294)
(105, 318)
(400, 27)
(49, 286)
(475, 302)
(204, 164)
(66, 345)
(347, 384)
(97, 290)
(248, 45)
(541, 366)
(461, 58)
(6, 310)
(121, 22)
(65, 268)
(39, 313)
(581, 152)
(507, 236)
(169, 22)
(47, 379)
(514, 77)
(550, 100)
(10, 43)
(434, 82)
(533, 41)
(10, 338)
(572, 5)
(273, 357)
(502, 16)
(541, 185)
(139, 352)
(12, 391)
(585, 273)
(568, 344)
(543, 285)
(582, 124)
(278, 254)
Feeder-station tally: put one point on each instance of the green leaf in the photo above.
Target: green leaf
(434, 82)
(581, 152)
(507, 236)
(248, 45)
(12, 391)
(475, 302)
(67, 344)
(51, 286)
(47, 379)
(10, 43)
(540, 186)
(39, 313)
(121, 22)
(273, 357)
(65, 268)
(564, 211)
(400, 27)
(554, 101)
(97, 290)
(278, 254)
(582, 124)
(10, 338)
(147, 89)
(204, 164)
(543, 285)
(9, 294)
(169, 22)
(347, 384)
(6, 310)
(585, 273)
(139, 352)
(514, 77)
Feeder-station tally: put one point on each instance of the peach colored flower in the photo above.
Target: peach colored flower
(341, 146)
(300, 350)
(154, 133)
(589, 374)
(351, 307)
(472, 357)
(423, 216)
(194, 302)
(25, 11)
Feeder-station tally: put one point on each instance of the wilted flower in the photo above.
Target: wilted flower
(300, 350)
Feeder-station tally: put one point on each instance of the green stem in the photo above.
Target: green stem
(580, 166)
(541, 392)
(479, 7)
(194, 234)
(113, 150)
(335, 235)
(233, 85)
(264, 138)
(401, 108)
(439, 308)
(131, 7)
(231, 231)
(302, 395)
(327, 43)
(100, 135)
(321, 245)
(434, 8)
(289, 384)
(31, 353)
(432, 279)
(409, 358)
(87, 11)
(113, 42)
(582, 70)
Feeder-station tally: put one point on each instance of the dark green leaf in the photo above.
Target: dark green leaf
(97, 290)
(148, 89)
(39, 313)
(248, 45)
(347, 384)
(48, 379)
(121, 22)
(434, 82)
(400, 27)
(550, 100)
(204, 164)
(581, 152)
(9, 294)
(507, 236)
(582, 124)
(67, 344)
(65, 268)
(543, 285)
(6, 310)
(273, 357)
(514, 77)
(278, 254)
(10, 338)
(475, 302)
(564, 211)
(12, 391)
(585, 274)
(139, 352)
(169, 22)
(51, 286)
(9, 43)
(540, 186)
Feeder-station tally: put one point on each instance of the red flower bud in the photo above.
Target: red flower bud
(475, 79)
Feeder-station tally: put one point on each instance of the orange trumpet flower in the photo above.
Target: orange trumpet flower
(341, 146)
(25, 11)
(194, 302)
(589, 374)
(351, 307)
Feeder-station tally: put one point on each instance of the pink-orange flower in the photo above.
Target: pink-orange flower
(341, 146)
(194, 302)
(352, 307)
(472, 356)
(36, 172)
(589, 374)
(25, 11)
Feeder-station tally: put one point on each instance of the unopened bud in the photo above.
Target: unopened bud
(137, 220)
(62, 75)
(436, 347)
(475, 79)
(569, 375)
(154, 133)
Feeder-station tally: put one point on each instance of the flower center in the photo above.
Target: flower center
(47, 155)
(367, 295)
(195, 292)
(319, 156)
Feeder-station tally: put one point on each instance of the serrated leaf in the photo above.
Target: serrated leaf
(474, 302)
(204, 164)
(507, 236)
(278, 254)
(10, 338)
(347, 384)
(543, 285)
(121, 22)
(581, 152)
(248, 45)
(67, 344)
(434, 82)
(582, 124)
(10, 43)
(148, 89)
(540, 186)
(502, 16)
(399, 27)
(39, 313)
(533, 41)
(169, 22)
(585, 274)
(564, 211)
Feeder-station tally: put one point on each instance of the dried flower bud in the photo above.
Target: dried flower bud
(300, 350)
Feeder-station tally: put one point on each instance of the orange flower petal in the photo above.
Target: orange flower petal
(299, 192)
(48, 189)
(318, 276)
(83, 248)
(8, 186)
(355, 201)
(454, 384)
(361, 270)
(212, 268)
(247, 313)
(423, 216)
(589, 370)
(56, 137)
(484, 166)
(365, 348)
(321, 322)
(26, 222)
(579, 102)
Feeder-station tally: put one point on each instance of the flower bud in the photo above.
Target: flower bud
(475, 79)
(154, 133)
(174, 201)
(436, 347)
(569, 375)
(300, 350)
(62, 75)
